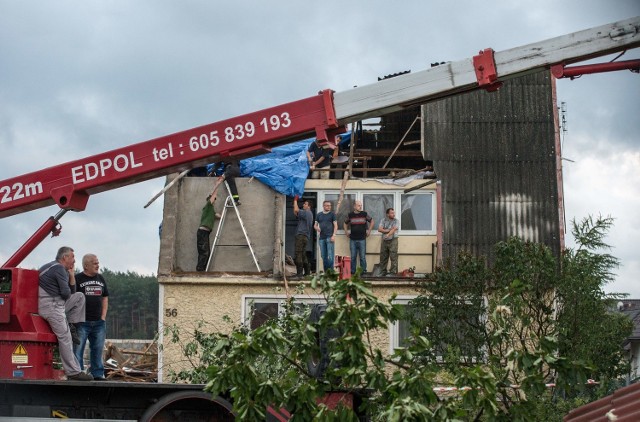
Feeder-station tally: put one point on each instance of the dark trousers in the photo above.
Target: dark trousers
(389, 250)
(230, 173)
(202, 243)
(302, 263)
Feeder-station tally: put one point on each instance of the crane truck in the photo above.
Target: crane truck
(30, 385)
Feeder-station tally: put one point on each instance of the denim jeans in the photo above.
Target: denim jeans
(95, 332)
(358, 247)
(327, 248)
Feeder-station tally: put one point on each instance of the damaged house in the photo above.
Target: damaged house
(462, 173)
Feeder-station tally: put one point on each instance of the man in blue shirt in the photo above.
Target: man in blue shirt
(326, 225)
(318, 158)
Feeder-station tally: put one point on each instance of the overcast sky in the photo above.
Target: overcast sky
(78, 78)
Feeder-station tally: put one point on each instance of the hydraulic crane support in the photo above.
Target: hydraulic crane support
(562, 71)
(51, 226)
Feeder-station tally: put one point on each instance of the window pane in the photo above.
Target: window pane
(458, 327)
(300, 307)
(416, 212)
(376, 204)
(345, 208)
(262, 312)
(404, 332)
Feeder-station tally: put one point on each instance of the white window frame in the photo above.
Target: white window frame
(245, 306)
(380, 192)
(394, 328)
(398, 209)
(397, 202)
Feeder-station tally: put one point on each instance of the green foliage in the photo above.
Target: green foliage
(550, 408)
(454, 326)
(200, 349)
(494, 332)
(547, 320)
(588, 328)
(133, 305)
(495, 326)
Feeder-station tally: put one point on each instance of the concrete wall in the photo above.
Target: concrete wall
(182, 209)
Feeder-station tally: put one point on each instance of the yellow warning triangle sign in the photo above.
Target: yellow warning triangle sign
(19, 350)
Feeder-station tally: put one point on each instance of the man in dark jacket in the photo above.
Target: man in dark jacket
(63, 308)
(303, 235)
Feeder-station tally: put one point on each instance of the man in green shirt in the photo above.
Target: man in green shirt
(207, 218)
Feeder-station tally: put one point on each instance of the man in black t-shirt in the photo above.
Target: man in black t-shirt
(361, 224)
(94, 329)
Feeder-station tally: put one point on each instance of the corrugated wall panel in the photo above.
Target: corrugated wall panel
(495, 155)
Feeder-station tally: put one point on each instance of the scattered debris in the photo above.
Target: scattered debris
(131, 365)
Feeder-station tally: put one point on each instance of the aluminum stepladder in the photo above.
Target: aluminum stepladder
(230, 203)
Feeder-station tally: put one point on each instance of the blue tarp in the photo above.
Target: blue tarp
(285, 168)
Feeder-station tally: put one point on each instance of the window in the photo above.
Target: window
(461, 325)
(416, 212)
(376, 205)
(263, 312)
(400, 331)
(345, 208)
(258, 309)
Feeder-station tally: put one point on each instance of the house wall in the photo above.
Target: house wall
(217, 301)
(262, 213)
(182, 209)
(188, 297)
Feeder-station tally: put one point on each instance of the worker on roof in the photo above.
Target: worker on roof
(318, 158)
(228, 170)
